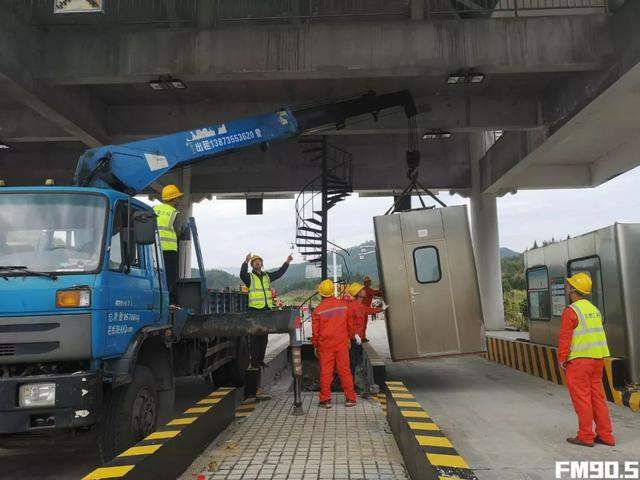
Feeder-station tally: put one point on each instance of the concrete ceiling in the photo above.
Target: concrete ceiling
(64, 88)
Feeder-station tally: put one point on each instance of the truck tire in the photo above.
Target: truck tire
(130, 414)
(235, 370)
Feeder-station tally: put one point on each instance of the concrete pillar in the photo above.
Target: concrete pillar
(417, 9)
(186, 211)
(486, 241)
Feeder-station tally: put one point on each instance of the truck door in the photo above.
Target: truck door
(431, 302)
(130, 298)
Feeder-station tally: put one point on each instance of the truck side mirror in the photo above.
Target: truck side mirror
(144, 228)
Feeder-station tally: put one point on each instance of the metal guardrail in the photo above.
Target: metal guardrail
(187, 13)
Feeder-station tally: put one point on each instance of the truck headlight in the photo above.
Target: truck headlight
(37, 395)
(72, 298)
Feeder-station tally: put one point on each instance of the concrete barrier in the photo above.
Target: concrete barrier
(542, 361)
(166, 453)
(428, 454)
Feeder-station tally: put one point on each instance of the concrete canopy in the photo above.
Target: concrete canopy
(82, 86)
(591, 131)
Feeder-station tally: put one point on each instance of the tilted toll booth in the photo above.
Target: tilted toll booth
(611, 256)
(428, 274)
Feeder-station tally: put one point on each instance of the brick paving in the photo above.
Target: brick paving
(340, 443)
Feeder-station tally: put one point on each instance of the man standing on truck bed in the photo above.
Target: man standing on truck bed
(260, 298)
(167, 215)
(581, 349)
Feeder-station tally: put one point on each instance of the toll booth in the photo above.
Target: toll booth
(428, 275)
(611, 256)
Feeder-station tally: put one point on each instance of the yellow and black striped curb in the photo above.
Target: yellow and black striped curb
(168, 451)
(246, 408)
(427, 452)
(542, 361)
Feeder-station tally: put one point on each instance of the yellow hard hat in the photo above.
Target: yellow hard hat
(170, 192)
(581, 282)
(255, 257)
(326, 288)
(355, 288)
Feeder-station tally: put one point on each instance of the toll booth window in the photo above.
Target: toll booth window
(427, 264)
(538, 294)
(591, 265)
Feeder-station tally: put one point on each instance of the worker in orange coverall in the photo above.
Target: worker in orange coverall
(369, 292)
(581, 348)
(331, 331)
(359, 313)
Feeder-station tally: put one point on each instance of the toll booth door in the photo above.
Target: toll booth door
(431, 298)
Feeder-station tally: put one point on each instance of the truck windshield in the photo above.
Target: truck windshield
(52, 232)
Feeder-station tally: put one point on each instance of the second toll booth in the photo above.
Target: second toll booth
(428, 275)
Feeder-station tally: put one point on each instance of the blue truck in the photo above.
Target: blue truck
(88, 341)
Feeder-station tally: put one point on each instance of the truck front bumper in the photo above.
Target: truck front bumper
(77, 403)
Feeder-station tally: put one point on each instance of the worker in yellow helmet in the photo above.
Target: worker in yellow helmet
(167, 214)
(260, 298)
(582, 346)
(331, 329)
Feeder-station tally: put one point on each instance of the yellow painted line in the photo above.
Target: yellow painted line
(525, 354)
(395, 383)
(402, 395)
(534, 364)
(442, 460)
(243, 414)
(143, 450)
(197, 410)
(634, 402)
(430, 441)
(109, 472)
(412, 414)
(617, 395)
(247, 407)
(402, 403)
(552, 370)
(218, 394)
(423, 426)
(163, 435)
(208, 401)
(182, 421)
(512, 357)
(543, 366)
(393, 388)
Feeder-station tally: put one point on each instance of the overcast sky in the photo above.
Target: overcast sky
(227, 234)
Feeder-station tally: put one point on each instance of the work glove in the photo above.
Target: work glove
(357, 339)
(385, 307)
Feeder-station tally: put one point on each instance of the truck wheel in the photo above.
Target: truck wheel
(237, 368)
(130, 414)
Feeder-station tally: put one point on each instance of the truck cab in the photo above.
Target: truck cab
(84, 309)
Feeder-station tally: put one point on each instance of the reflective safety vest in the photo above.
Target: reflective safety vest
(589, 339)
(166, 216)
(260, 291)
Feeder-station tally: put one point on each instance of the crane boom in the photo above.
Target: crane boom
(133, 167)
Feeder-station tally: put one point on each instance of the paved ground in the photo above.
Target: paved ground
(508, 425)
(340, 443)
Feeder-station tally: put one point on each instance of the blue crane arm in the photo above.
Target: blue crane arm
(133, 167)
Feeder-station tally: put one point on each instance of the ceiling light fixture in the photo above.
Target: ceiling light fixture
(165, 82)
(436, 134)
(4, 146)
(465, 76)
